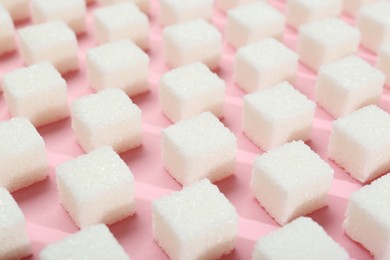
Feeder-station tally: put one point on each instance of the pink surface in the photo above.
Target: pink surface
(48, 222)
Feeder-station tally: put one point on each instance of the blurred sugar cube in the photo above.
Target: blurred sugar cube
(143, 5)
(352, 7)
(383, 62)
(197, 222)
(360, 143)
(18, 9)
(7, 38)
(225, 5)
(106, 118)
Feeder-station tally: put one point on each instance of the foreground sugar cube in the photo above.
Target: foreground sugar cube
(347, 85)
(18, 9)
(352, 7)
(229, 4)
(72, 12)
(197, 148)
(97, 187)
(325, 41)
(254, 22)
(37, 92)
(383, 62)
(95, 242)
(360, 143)
(277, 115)
(263, 64)
(121, 21)
(179, 11)
(7, 39)
(367, 220)
(301, 239)
(291, 181)
(193, 41)
(373, 22)
(190, 90)
(14, 241)
(22, 154)
(106, 118)
(52, 41)
(197, 222)
(299, 12)
(121, 64)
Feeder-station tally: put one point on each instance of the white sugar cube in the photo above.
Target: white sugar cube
(347, 85)
(367, 219)
(37, 92)
(299, 12)
(52, 41)
(179, 11)
(197, 148)
(14, 241)
(352, 7)
(229, 4)
(193, 41)
(97, 187)
(383, 62)
(18, 9)
(197, 222)
(72, 12)
(143, 5)
(106, 118)
(301, 239)
(22, 154)
(325, 41)
(291, 181)
(95, 242)
(190, 90)
(121, 64)
(263, 64)
(254, 22)
(7, 39)
(360, 143)
(121, 21)
(277, 115)
(373, 22)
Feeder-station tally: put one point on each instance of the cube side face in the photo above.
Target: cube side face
(383, 63)
(172, 12)
(229, 4)
(245, 74)
(311, 52)
(237, 33)
(170, 104)
(18, 9)
(174, 160)
(7, 40)
(297, 14)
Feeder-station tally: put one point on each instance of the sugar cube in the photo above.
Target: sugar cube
(299, 12)
(373, 22)
(97, 187)
(52, 41)
(291, 181)
(367, 219)
(95, 242)
(22, 154)
(193, 41)
(72, 12)
(197, 148)
(37, 92)
(121, 64)
(347, 85)
(325, 41)
(179, 11)
(360, 143)
(229, 4)
(254, 22)
(352, 7)
(143, 5)
(14, 241)
(197, 222)
(301, 239)
(383, 62)
(277, 115)
(106, 118)
(263, 64)
(7, 39)
(190, 90)
(18, 9)
(121, 21)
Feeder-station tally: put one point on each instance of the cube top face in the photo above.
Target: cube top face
(280, 102)
(94, 173)
(200, 134)
(293, 166)
(301, 239)
(195, 209)
(266, 54)
(116, 55)
(352, 73)
(192, 80)
(192, 34)
(119, 14)
(368, 126)
(10, 213)
(378, 12)
(95, 242)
